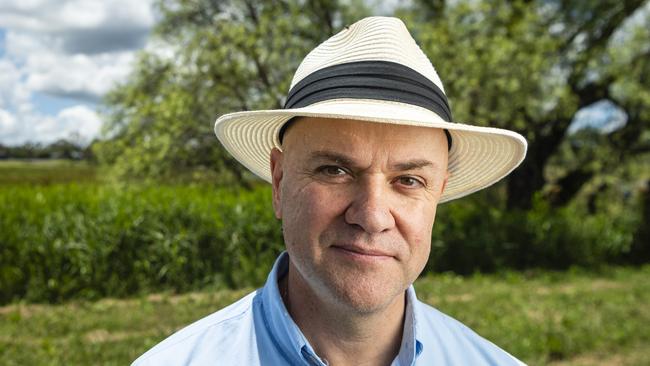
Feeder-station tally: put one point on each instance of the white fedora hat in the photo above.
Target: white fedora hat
(374, 71)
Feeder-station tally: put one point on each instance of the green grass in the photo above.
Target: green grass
(552, 316)
(556, 318)
(45, 172)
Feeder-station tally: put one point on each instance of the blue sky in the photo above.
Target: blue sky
(59, 58)
(2, 41)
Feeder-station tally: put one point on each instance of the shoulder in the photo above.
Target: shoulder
(457, 341)
(206, 338)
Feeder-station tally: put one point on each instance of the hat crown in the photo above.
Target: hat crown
(369, 39)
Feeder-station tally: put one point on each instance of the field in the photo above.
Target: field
(124, 266)
(44, 172)
(544, 318)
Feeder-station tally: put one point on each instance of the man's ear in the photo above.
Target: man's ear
(276, 179)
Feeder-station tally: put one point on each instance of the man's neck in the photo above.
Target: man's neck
(342, 336)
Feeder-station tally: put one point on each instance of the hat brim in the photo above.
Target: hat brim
(479, 156)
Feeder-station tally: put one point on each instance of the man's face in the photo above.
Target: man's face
(357, 202)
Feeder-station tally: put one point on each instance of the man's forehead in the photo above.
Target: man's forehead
(356, 143)
(316, 128)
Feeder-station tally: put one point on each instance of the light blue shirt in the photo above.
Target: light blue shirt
(258, 330)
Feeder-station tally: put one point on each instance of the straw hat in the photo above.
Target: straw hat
(374, 71)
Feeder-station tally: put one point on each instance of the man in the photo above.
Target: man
(359, 159)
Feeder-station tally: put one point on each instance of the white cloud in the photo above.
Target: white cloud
(7, 122)
(78, 76)
(14, 94)
(82, 26)
(11, 131)
(78, 120)
(79, 123)
(71, 49)
(9, 78)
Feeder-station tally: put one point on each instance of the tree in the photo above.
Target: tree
(530, 66)
(225, 56)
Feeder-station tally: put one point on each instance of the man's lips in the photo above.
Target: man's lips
(362, 251)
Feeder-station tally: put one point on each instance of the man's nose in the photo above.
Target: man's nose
(370, 207)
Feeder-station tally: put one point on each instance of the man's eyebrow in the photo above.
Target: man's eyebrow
(413, 165)
(331, 156)
(344, 160)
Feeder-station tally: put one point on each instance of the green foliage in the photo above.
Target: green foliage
(476, 234)
(225, 57)
(63, 241)
(155, 132)
(576, 317)
(531, 66)
(493, 57)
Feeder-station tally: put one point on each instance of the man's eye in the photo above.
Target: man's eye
(410, 182)
(332, 170)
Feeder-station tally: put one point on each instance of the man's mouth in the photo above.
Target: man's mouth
(361, 252)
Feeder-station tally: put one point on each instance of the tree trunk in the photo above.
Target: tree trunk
(524, 182)
(640, 250)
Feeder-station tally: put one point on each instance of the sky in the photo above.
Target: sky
(59, 58)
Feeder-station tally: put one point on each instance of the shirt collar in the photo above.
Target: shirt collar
(411, 346)
(293, 344)
(284, 331)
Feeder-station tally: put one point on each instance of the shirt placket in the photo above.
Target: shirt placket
(311, 358)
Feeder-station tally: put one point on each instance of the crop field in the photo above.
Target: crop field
(45, 172)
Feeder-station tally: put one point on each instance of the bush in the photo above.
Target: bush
(64, 241)
(473, 235)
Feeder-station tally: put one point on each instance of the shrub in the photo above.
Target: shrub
(64, 241)
(475, 235)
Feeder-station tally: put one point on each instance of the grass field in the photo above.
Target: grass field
(44, 172)
(544, 318)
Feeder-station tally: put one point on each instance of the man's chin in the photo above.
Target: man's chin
(365, 298)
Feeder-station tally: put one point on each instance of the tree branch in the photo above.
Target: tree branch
(260, 66)
(597, 39)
